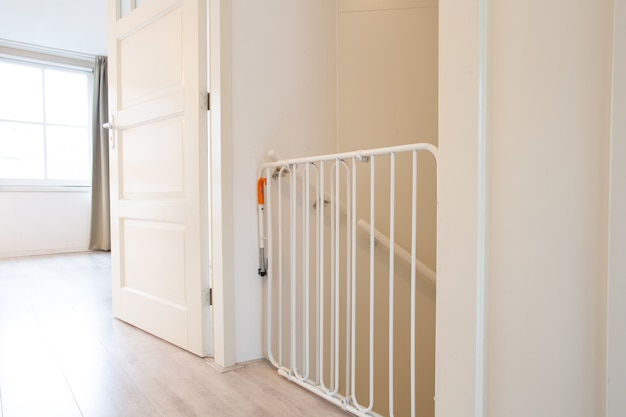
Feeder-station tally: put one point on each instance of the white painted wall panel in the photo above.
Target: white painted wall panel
(547, 155)
(550, 112)
(284, 98)
(33, 223)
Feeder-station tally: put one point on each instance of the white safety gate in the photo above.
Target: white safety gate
(349, 309)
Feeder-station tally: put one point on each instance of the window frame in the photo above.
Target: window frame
(44, 58)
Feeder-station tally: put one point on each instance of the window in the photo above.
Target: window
(45, 133)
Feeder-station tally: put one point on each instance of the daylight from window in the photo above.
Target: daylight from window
(44, 124)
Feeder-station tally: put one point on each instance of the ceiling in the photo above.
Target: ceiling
(70, 25)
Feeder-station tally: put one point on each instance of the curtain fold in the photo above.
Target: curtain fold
(100, 201)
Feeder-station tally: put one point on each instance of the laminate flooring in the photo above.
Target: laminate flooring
(62, 354)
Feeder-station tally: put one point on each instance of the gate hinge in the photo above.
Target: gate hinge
(208, 296)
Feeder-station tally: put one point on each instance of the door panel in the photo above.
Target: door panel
(164, 241)
(163, 172)
(157, 45)
(158, 162)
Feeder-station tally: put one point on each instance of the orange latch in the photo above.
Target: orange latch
(260, 190)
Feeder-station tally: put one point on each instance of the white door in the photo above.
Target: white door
(157, 103)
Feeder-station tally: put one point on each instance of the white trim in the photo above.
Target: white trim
(482, 222)
(25, 49)
(42, 183)
(220, 200)
(40, 252)
(44, 61)
(616, 285)
(45, 188)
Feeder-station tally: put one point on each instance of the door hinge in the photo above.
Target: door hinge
(208, 298)
(205, 100)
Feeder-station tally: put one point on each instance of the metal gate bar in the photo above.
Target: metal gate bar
(313, 275)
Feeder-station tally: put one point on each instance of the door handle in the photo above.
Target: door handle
(110, 126)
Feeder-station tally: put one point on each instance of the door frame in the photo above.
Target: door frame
(616, 285)
(220, 178)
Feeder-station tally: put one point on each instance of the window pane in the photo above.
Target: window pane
(124, 7)
(20, 92)
(66, 98)
(68, 153)
(21, 151)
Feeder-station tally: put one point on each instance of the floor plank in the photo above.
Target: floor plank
(63, 354)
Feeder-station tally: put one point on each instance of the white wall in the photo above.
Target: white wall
(457, 228)
(550, 114)
(49, 222)
(546, 201)
(283, 98)
(34, 223)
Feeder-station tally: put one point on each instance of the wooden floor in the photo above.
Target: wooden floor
(62, 354)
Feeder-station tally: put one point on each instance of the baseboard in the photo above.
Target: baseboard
(40, 252)
(224, 370)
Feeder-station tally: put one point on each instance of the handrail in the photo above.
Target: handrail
(402, 253)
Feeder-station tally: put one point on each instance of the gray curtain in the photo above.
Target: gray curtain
(100, 203)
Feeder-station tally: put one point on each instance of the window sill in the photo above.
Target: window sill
(45, 188)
